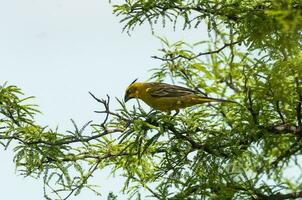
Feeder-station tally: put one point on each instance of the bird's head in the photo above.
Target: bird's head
(132, 91)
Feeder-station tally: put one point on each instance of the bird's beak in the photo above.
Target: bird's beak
(127, 98)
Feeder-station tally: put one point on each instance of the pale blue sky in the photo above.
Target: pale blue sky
(57, 51)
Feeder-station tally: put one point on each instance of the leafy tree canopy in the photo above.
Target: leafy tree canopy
(220, 151)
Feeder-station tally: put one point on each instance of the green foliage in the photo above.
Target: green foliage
(273, 26)
(219, 151)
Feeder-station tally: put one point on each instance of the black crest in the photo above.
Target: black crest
(134, 81)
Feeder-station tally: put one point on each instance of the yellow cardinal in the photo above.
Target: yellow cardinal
(166, 97)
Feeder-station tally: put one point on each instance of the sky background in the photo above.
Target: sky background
(57, 51)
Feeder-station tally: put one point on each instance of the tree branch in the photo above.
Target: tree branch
(83, 181)
(198, 55)
(107, 110)
(299, 103)
(280, 196)
(285, 128)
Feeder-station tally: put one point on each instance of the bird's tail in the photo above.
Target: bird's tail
(209, 99)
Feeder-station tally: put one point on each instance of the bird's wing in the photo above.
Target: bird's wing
(167, 90)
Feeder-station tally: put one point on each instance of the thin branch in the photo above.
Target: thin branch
(194, 145)
(92, 169)
(280, 196)
(279, 111)
(198, 55)
(292, 150)
(299, 103)
(147, 187)
(106, 105)
(64, 141)
(107, 110)
(251, 106)
(190, 81)
(285, 129)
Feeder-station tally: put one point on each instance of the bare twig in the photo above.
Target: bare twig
(107, 110)
(106, 105)
(198, 55)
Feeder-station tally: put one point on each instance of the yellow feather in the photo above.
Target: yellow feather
(166, 97)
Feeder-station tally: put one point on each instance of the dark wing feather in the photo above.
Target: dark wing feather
(167, 90)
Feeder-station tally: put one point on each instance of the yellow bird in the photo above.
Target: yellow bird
(166, 97)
